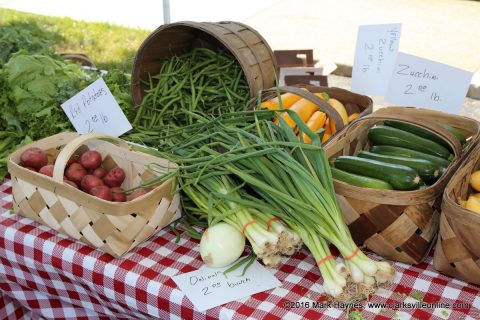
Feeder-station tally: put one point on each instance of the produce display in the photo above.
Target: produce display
(250, 180)
(86, 172)
(308, 112)
(402, 156)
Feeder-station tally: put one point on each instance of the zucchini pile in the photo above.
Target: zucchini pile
(402, 157)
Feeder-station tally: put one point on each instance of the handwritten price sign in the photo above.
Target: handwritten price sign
(209, 287)
(375, 55)
(94, 109)
(425, 83)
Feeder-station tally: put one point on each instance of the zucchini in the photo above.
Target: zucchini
(422, 186)
(428, 171)
(360, 181)
(403, 152)
(456, 133)
(418, 131)
(383, 135)
(399, 176)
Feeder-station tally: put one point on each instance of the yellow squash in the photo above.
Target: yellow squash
(475, 180)
(316, 121)
(353, 116)
(326, 136)
(473, 204)
(288, 100)
(328, 128)
(303, 108)
(269, 105)
(337, 105)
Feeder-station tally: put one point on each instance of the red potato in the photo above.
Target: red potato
(90, 159)
(73, 184)
(47, 170)
(30, 168)
(75, 173)
(118, 194)
(69, 162)
(33, 157)
(100, 172)
(136, 194)
(114, 177)
(102, 192)
(89, 182)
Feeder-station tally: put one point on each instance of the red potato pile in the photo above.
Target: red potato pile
(85, 173)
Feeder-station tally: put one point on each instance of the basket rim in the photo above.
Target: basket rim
(391, 197)
(136, 90)
(63, 189)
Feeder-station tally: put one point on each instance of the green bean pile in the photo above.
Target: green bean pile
(199, 83)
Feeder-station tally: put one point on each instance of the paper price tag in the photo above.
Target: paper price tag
(209, 287)
(425, 83)
(375, 55)
(94, 109)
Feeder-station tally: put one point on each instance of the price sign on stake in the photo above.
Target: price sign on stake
(424, 83)
(94, 109)
(375, 55)
(209, 287)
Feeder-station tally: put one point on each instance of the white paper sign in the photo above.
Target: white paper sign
(375, 55)
(425, 83)
(94, 109)
(209, 287)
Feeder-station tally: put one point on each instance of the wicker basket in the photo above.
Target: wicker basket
(112, 227)
(457, 252)
(249, 48)
(354, 103)
(469, 127)
(398, 225)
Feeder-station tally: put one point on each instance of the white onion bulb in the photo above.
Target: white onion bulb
(221, 245)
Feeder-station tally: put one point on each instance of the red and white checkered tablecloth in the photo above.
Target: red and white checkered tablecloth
(44, 275)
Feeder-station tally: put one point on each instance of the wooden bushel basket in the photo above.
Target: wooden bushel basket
(113, 227)
(398, 225)
(457, 252)
(246, 44)
(354, 103)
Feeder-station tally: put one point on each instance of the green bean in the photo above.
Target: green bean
(189, 88)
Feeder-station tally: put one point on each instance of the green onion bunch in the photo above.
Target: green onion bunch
(269, 237)
(273, 174)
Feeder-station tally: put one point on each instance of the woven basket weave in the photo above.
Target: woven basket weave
(457, 252)
(114, 227)
(398, 225)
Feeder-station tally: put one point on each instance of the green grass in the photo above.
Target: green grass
(109, 46)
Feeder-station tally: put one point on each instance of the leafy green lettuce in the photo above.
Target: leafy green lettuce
(38, 85)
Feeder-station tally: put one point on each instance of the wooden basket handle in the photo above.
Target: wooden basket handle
(72, 146)
(321, 104)
(435, 128)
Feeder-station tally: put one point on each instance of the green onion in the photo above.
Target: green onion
(282, 177)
